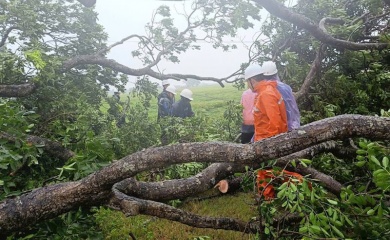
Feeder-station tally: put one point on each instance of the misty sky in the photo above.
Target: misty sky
(122, 18)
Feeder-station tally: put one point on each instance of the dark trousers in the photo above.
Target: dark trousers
(246, 137)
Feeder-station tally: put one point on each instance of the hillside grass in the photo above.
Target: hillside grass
(209, 100)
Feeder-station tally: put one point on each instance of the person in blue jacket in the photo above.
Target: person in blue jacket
(183, 108)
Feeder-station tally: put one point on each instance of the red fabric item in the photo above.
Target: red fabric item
(265, 176)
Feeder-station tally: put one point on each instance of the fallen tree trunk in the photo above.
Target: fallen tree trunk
(47, 202)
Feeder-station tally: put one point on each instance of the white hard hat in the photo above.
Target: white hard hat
(252, 70)
(187, 93)
(269, 68)
(165, 82)
(171, 89)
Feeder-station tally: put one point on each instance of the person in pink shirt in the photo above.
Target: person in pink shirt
(247, 127)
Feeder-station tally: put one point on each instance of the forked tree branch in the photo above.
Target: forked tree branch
(279, 10)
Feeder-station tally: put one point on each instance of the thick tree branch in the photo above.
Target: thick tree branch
(21, 90)
(183, 188)
(134, 206)
(279, 10)
(50, 201)
(180, 188)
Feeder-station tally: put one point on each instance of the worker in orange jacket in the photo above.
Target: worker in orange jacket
(270, 117)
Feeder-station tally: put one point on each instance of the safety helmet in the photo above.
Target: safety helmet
(269, 68)
(165, 82)
(252, 70)
(171, 89)
(187, 93)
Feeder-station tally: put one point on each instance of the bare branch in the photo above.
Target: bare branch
(118, 43)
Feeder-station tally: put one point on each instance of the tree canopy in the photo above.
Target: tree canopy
(62, 152)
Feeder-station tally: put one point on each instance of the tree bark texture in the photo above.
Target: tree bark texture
(50, 201)
(21, 90)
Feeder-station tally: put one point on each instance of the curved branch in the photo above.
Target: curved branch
(132, 206)
(314, 69)
(279, 10)
(95, 59)
(329, 20)
(205, 180)
(21, 90)
(22, 211)
(5, 36)
(118, 43)
(180, 188)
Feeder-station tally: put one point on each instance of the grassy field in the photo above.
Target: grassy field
(208, 100)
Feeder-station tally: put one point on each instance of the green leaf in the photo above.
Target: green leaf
(360, 164)
(385, 162)
(316, 229)
(337, 231)
(375, 160)
(361, 152)
(307, 161)
(363, 145)
(293, 163)
(332, 201)
(380, 211)
(349, 221)
(370, 212)
(281, 193)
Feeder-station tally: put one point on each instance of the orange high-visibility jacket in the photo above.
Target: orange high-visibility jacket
(269, 111)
